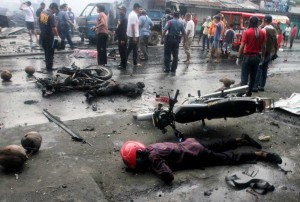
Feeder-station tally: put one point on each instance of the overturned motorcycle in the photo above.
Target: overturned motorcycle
(221, 104)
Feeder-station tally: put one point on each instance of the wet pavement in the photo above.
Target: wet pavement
(70, 171)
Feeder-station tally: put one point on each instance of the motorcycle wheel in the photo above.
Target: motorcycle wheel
(102, 72)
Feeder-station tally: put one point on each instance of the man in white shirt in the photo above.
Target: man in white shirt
(29, 18)
(187, 42)
(287, 34)
(133, 33)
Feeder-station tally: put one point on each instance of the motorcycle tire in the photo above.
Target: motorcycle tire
(153, 38)
(102, 72)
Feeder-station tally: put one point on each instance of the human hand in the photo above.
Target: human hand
(93, 28)
(237, 61)
(58, 39)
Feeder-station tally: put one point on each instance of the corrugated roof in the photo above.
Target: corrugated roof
(218, 4)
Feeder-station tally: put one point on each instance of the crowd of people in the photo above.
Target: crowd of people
(259, 39)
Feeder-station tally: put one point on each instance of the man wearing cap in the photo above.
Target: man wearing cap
(145, 24)
(271, 51)
(171, 42)
(253, 42)
(49, 33)
(133, 33)
(122, 37)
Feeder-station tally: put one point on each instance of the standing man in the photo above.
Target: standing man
(72, 18)
(201, 30)
(102, 35)
(293, 35)
(228, 40)
(206, 27)
(64, 23)
(189, 30)
(29, 19)
(133, 33)
(49, 33)
(171, 42)
(271, 50)
(286, 35)
(145, 23)
(38, 13)
(216, 40)
(166, 17)
(253, 42)
(122, 37)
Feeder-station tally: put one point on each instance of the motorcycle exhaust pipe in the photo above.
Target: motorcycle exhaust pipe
(143, 117)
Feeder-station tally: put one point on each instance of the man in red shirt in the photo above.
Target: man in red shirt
(253, 42)
(293, 35)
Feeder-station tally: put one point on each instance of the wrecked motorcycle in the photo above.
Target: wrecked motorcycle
(86, 78)
(222, 104)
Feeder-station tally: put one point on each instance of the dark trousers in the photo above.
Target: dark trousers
(101, 48)
(262, 72)
(144, 46)
(292, 41)
(133, 46)
(205, 40)
(48, 46)
(249, 67)
(171, 46)
(122, 52)
(216, 153)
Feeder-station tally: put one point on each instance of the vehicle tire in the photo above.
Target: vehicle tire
(102, 72)
(153, 38)
(110, 38)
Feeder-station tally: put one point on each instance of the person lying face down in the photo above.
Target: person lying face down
(164, 157)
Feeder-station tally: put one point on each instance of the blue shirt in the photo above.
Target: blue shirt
(71, 16)
(217, 36)
(144, 23)
(174, 27)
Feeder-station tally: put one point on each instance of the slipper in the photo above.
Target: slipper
(258, 185)
(251, 142)
(273, 158)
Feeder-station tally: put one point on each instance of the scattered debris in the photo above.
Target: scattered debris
(264, 138)
(30, 70)
(274, 124)
(208, 193)
(12, 157)
(17, 176)
(88, 128)
(31, 142)
(291, 104)
(30, 102)
(75, 136)
(252, 173)
(251, 192)
(6, 75)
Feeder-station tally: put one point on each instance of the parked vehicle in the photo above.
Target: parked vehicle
(222, 104)
(88, 19)
(238, 20)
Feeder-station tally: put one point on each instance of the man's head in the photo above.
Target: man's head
(143, 12)
(217, 18)
(136, 7)
(168, 11)
(267, 19)
(188, 17)
(122, 10)
(230, 26)
(100, 8)
(294, 25)
(176, 14)
(208, 18)
(53, 7)
(70, 9)
(253, 21)
(132, 153)
(64, 7)
(42, 5)
(288, 25)
(28, 3)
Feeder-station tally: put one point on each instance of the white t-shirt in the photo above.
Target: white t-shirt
(133, 19)
(29, 13)
(287, 31)
(190, 26)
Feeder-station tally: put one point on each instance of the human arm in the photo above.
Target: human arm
(66, 16)
(160, 167)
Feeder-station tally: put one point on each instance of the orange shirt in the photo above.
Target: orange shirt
(223, 29)
(211, 30)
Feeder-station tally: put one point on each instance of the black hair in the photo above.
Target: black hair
(63, 6)
(53, 6)
(168, 11)
(28, 3)
(253, 21)
(43, 4)
(101, 7)
(176, 14)
(231, 25)
(136, 5)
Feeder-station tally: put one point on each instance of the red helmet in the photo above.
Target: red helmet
(128, 152)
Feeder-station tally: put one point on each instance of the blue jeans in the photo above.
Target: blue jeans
(171, 46)
(261, 76)
(205, 40)
(249, 67)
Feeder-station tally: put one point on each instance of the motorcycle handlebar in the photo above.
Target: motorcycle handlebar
(176, 95)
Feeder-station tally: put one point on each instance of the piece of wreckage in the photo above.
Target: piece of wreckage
(93, 79)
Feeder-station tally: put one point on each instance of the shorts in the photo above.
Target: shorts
(286, 38)
(30, 25)
(187, 45)
(216, 44)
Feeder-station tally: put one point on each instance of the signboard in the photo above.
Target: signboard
(275, 5)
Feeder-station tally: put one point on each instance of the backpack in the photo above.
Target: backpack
(271, 40)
